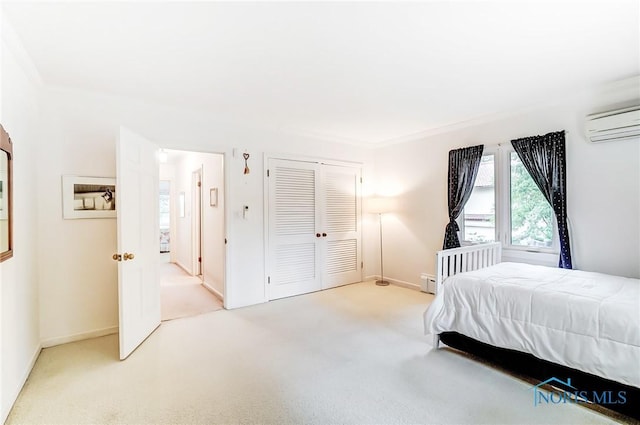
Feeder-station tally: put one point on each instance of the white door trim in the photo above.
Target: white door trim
(196, 221)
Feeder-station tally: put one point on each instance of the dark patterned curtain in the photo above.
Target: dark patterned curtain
(463, 169)
(544, 159)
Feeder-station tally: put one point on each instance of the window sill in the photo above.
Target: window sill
(531, 257)
(523, 255)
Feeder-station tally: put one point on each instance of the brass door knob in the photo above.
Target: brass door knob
(127, 256)
(117, 257)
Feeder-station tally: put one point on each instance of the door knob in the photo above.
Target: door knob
(318, 235)
(128, 256)
(324, 235)
(117, 257)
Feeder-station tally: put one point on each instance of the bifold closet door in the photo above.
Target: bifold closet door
(314, 228)
(340, 218)
(293, 257)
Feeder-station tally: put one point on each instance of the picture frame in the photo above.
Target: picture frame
(3, 198)
(88, 197)
(213, 196)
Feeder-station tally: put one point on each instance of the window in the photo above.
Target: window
(506, 205)
(479, 213)
(531, 216)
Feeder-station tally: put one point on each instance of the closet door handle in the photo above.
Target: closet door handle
(318, 235)
(324, 235)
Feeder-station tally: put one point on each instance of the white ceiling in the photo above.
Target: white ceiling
(360, 72)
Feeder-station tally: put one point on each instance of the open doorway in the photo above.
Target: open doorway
(192, 226)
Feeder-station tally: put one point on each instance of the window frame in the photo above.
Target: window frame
(502, 188)
(460, 220)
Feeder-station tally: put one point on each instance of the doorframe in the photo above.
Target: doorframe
(226, 214)
(196, 222)
(301, 158)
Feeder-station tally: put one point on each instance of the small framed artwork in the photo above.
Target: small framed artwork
(88, 197)
(213, 196)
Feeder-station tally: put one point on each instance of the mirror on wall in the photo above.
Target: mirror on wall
(6, 196)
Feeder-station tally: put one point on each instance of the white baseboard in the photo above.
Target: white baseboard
(187, 270)
(13, 396)
(79, 337)
(213, 290)
(408, 285)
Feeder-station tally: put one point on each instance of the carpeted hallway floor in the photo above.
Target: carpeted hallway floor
(350, 355)
(183, 295)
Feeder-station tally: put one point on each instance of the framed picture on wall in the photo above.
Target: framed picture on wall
(213, 196)
(88, 197)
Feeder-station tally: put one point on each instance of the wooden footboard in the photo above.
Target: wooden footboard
(457, 260)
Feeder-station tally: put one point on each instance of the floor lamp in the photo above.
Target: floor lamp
(381, 206)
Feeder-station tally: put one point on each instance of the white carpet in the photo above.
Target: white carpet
(183, 295)
(351, 355)
(187, 300)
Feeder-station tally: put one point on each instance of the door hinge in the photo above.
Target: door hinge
(199, 184)
(360, 179)
(267, 172)
(199, 259)
(268, 279)
(362, 264)
(225, 241)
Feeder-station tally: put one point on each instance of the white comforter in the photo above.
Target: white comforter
(584, 320)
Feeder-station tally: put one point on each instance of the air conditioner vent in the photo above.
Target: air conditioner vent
(609, 126)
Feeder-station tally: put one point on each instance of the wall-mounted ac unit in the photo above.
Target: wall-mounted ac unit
(622, 124)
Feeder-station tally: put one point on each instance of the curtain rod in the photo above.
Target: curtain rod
(493, 145)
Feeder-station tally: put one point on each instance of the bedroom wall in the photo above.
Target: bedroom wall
(20, 87)
(79, 281)
(603, 183)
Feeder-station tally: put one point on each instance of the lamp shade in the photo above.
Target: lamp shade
(380, 205)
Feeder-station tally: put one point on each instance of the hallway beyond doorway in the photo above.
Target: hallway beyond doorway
(183, 295)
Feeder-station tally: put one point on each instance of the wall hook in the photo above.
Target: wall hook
(246, 166)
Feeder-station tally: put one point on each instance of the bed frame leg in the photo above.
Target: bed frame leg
(436, 341)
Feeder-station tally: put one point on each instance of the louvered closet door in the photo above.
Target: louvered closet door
(293, 257)
(341, 207)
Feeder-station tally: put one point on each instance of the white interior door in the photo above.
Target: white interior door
(341, 226)
(138, 239)
(293, 260)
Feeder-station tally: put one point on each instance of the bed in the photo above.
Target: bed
(552, 320)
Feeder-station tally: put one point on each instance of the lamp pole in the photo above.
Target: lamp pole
(381, 282)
